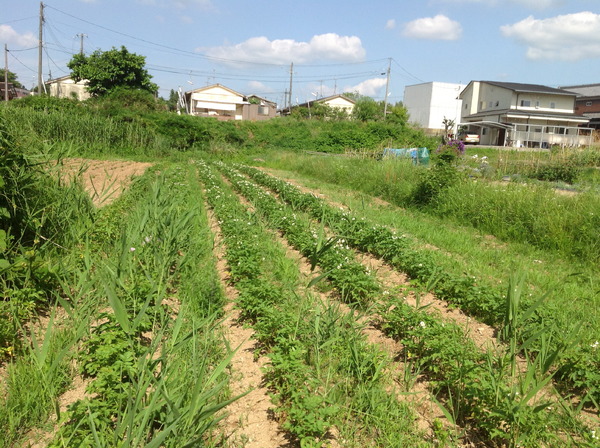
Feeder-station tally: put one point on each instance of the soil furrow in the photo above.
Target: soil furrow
(249, 422)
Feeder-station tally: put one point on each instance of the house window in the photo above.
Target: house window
(552, 105)
(537, 104)
(481, 105)
(525, 103)
(263, 110)
(491, 104)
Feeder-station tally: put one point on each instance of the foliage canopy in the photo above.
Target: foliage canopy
(12, 78)
(107, 70)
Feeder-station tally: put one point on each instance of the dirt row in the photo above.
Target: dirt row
(427, 411)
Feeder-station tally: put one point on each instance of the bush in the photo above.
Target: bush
(442, 175)
(557, 171)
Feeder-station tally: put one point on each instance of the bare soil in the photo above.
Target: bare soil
(104, 180)
(249, 420)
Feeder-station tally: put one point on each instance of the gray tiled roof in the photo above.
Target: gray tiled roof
(538, 114)
(587, 90)
(532, 88)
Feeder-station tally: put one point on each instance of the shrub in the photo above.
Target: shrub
(442, 175)
(557, 171)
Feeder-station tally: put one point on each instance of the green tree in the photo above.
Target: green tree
(367, 109)
(107, 70)
(397, 114)
(12, 78)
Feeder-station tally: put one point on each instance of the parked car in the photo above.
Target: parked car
(468, 137)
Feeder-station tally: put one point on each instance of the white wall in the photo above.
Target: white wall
(429, 103)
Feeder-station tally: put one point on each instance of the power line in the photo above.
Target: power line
(212, 58)
(407, 72)
(19, 20)
(19, 61)
(26, 49)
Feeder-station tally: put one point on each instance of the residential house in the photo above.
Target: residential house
(13, 92)
(523, 115)
(216, 101)
(66, 87)
(587, 102)
(259, 109)
(340, 102)
(428, 104)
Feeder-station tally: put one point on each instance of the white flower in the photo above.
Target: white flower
(422, 324)
(595, 345)
(132, 249)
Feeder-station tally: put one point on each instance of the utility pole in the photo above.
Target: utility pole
(5, 72)
(81, 36)
(40, 44)
(387, 89)
(290, 91)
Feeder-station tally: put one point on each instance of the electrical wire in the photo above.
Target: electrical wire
(20, 62)
(211, 58)
(406, 71)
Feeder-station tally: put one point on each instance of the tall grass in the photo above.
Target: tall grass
(89, 133)
(530, 214)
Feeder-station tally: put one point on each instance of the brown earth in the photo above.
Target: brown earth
(104, 180)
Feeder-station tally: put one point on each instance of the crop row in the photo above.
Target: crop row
(489, 385)
(322, 369)
(153, 364)
(580, 363)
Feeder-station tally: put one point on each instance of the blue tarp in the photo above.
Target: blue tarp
(419, 156)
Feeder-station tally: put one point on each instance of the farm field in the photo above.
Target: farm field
(278, 299)
(410, 313)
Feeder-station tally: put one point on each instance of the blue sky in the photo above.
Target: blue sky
(335, 46)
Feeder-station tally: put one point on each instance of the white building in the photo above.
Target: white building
(339, 101)
(429, 103)
(531, 115)
(66, 87)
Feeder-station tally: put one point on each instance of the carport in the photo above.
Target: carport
(499, 133)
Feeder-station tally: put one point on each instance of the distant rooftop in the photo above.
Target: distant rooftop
(530, 88)
(585, 90)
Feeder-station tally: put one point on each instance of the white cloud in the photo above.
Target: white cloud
(257, 86)
(533, 4)
(567, 37)
(185, 4)
(390, 24)
(370, 87)
(539, 4)
(439, 27)
(11, 37)
(329, 47)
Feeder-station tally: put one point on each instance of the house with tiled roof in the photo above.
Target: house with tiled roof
(223, 103)
(587, 102)
(339, 102)
(523, 115)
